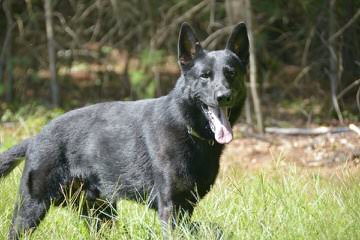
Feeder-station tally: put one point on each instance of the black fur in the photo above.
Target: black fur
(136, 149)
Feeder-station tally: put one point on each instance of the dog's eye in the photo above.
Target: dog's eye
(205, 75)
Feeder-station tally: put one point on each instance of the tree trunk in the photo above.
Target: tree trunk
(55, 99)
(248, 112)
(333, 60)
(5, 59)
(253, 70)
(235, 11)
(240, 10)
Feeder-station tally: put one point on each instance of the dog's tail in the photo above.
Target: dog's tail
(11, 158)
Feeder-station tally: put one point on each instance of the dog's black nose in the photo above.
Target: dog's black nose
(224, 98)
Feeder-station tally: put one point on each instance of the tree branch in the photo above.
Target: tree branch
(346, 26)
(216, 34)
(305, 131)
(348, 88)
(164, 32)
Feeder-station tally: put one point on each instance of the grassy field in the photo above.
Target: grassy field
(280, 202)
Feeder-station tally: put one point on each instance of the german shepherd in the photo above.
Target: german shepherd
(165, 149)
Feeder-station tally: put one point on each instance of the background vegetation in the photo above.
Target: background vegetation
(56, 55)
(106, 50)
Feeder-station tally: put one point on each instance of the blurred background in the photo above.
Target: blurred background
(296, 149)
(70, 53)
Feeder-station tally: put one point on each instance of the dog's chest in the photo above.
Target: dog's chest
(196, 171)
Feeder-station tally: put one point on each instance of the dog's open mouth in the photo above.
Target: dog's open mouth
(218, 118)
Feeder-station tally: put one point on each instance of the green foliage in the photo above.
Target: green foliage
(150, 57)
(29, 120)
(142, 79)
(350, 116)
(80, 66)
(106, 50)
(30, 112)
(137, 77)
(23, 61)
(141, 84)
(7, 143)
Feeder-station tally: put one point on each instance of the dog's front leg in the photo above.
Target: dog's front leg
(166, 214)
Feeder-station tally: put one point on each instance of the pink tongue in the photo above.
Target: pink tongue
(222, 128)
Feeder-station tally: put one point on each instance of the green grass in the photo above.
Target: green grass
(283, 202)
(272, 204)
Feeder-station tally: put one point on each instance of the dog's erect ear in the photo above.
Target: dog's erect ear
(238, 42)
(188, 45)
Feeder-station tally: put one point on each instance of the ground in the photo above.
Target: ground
(327, 151)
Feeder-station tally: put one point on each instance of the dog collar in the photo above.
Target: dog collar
(193, 133)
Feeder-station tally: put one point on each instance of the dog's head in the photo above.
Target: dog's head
(215, 79)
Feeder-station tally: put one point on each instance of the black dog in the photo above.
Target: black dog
(166, 149)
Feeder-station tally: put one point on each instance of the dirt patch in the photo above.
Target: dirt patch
(326, 151)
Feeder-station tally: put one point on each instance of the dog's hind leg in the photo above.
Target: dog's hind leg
(27, 215)
(40, 183)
